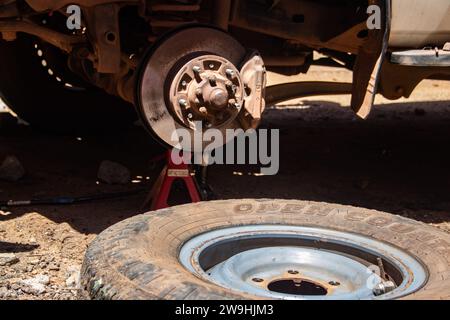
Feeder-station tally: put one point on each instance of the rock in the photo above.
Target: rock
(11, 169)
(73, 277)
(4, 293)
(53, 266)
(8, 259)
(113, 173)
(35, 285)
(15, 286)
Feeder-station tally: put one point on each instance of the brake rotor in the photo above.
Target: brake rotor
(199, 78)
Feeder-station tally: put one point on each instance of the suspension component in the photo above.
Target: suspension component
(200, 75)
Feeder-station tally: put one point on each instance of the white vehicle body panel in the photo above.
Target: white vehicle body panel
(418, 23)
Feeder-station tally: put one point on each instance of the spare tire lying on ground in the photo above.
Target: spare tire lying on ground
(281, 249)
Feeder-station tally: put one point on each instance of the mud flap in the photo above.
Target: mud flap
(367, 69)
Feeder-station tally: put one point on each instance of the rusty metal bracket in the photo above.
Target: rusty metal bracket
(366, 72)
(103, 29)
(60, 40)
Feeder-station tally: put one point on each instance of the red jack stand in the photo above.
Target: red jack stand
(161, 189)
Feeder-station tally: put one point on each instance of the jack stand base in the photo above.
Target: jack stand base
(159, 195)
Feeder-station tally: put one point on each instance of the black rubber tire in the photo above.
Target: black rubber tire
(138, 258)
(38, 98)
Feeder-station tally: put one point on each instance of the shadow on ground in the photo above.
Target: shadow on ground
(397, 161)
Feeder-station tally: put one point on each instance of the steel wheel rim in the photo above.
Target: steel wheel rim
(304, 263)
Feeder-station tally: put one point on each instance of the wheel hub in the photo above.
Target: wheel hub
(293, 270)
(209, 89)
(199, 74)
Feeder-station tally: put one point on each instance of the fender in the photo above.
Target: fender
(367, 69)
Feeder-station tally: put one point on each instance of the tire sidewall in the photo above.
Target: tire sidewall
(143, 251)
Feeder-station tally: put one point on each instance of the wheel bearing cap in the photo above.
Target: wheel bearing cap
(207, 88)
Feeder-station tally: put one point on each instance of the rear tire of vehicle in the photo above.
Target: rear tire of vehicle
(139, 257)
(43, 100)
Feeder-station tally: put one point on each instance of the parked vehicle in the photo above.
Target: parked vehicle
(64, 71)
(83, 64)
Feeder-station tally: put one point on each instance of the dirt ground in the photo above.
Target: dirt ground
(397, 161)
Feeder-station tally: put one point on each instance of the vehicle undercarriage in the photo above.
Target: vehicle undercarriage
(126, 49)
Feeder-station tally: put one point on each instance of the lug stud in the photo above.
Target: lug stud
(230, 73)
(183, 103)
(212, 80)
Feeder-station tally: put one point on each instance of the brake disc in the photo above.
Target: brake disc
(199, 78)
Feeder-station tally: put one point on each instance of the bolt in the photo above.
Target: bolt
(230, 73)
(190, 115)
(383, 288)
(184, 84)
(229, 84)
(257, 280)
(196, 69)
(203, 110)
(334, 283)
(183, 103)
(212, 80)
(211, 66)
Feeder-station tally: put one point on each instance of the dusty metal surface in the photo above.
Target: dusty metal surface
(202, 87)
(104, 32)
(207, 88)
(116, 34)
(251, 259)
(431, 23)
(433, 57)
(60, 40)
